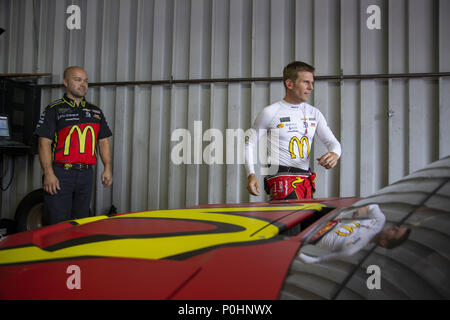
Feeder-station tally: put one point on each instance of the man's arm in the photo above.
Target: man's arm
(371, 211)
(250, 143)
(105, 155)
(326, 257)
(330, 159)
(258, 130)
(51, 182)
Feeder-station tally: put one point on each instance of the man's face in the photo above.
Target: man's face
(300, 89)
(76, 83)
(394, 233)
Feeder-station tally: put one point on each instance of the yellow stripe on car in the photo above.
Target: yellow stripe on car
(252, 229)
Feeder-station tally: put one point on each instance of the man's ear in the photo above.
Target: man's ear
(289, 83)
(65, 83)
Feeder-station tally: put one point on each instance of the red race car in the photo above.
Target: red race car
(243, 251)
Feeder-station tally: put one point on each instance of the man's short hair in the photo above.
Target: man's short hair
(292, 69)
(68, 69)
(391, 244)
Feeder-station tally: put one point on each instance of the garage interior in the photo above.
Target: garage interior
(156, 66)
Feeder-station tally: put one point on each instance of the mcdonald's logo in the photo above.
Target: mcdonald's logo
(82, 135)
(297, 181)
(299, 146)
(349, 228)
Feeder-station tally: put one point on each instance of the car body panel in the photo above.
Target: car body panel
(212, 250)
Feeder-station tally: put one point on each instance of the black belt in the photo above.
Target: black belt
(292, 169)
(73, 166)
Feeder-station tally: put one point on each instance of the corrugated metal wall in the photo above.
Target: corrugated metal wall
(142, 40)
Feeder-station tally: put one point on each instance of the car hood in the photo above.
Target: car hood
(205, 252)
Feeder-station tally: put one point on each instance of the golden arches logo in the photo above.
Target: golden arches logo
(82, 135)
(349, 228)
(299, 146)
(297, 181)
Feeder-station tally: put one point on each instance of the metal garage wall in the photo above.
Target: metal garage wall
(387, 128)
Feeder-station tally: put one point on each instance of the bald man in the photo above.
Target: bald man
(69, 131)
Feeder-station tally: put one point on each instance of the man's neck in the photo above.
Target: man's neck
(375, 238)
(75, 99)
(292, 101)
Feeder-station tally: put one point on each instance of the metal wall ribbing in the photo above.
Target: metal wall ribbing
(387, 127)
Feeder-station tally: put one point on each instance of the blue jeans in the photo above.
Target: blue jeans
(73, 200)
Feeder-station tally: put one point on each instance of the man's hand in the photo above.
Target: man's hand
(105, 155)
(107, 177)
(328, 160)
(360, 212)
(253, 185)
(51, 183)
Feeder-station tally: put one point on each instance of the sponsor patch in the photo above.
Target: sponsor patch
(293, 128)
(64, 110)
(66, 116)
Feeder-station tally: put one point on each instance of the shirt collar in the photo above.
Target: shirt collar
(290, 105)
(72, 102)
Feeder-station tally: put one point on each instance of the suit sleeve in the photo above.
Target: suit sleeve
(46, 126)
(256, 132)
(327, 137)
(327, 257)
(104, 131)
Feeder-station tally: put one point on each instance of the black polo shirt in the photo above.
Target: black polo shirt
(73, 129)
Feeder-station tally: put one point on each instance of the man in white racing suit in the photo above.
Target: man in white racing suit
(291, 125)
(346, 236)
